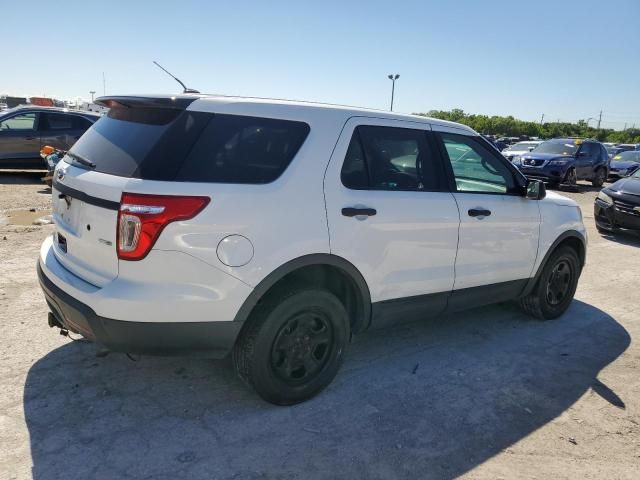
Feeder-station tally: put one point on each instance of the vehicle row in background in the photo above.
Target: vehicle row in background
(25, 130)
(565, 161)
(624, 164)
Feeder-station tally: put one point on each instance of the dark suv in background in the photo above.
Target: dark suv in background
(566, 160)
(25, 130)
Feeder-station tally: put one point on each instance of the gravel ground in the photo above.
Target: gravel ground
(485, 394)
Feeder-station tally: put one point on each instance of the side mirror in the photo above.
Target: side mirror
(535, 190)
(530, 148)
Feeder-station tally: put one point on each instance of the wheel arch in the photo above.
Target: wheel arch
(323, 270)
(571, 238)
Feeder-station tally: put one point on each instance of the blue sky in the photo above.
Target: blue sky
(567, 59)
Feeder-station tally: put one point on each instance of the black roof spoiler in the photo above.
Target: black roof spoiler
(173, 102)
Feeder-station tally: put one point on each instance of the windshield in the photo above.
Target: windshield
(563, 147)
(627, 157)
(523, 146)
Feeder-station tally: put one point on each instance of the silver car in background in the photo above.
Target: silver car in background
(520, 148)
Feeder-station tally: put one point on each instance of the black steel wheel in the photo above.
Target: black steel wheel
(302, 347)
(555, 287)
(559, 282)
(293, 345)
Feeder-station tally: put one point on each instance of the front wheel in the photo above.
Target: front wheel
(599, 178)
(293, 346)
(554, 290)
(571, 178)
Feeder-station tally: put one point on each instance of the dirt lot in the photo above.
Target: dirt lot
(485, 394)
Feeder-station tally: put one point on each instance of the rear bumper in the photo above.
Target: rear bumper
(208, 339)
(185, 308)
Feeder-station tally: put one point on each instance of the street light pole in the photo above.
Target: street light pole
(92, 92)
(393, 79)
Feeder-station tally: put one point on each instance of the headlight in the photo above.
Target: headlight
(605, 198)
(622, 171)
(517, 160)
(558, 162)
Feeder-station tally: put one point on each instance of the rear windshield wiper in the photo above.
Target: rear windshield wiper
(81, 160)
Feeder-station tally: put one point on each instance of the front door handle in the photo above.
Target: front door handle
(479, 212)
(355, 212)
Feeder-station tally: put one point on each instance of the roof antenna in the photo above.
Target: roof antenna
(185, 89)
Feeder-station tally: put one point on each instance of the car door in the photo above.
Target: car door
(499, 227)
(586, 159)
(61, 130)
(391, 216)
(19, 139)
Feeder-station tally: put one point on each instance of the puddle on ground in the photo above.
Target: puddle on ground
(22, 217)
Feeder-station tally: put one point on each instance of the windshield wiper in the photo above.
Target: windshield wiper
(82, 160)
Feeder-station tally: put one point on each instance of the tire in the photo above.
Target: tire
(293, 346)
(599, 178)
(571, 178)
(542, 303)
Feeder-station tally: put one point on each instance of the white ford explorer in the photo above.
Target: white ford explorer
(275, 230)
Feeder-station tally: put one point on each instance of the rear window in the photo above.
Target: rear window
(165, 144)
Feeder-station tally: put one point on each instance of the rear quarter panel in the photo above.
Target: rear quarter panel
(283, 220)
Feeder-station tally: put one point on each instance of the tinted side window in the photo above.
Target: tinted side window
(354, 172)
(388, 158)
(238, 149)
(26, 121)
(56, 121)
(80, 123)
(475, 167)
(589, 149)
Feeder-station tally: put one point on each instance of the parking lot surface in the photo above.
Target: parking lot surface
(487, 393)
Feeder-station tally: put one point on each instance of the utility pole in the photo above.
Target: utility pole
(625, 127)
(92, 92)
(599, 119)
(542, 119)
(393, 79)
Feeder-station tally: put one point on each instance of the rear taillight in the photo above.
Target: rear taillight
(142, 218)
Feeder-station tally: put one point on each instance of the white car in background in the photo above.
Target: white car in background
(520, 148)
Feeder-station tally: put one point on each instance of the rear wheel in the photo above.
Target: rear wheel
(599, 178)
(554, 290)
(293, 347)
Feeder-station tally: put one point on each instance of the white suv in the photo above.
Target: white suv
(276, 230)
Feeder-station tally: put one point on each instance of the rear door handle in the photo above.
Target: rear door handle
(479, 212)
(354, 212)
